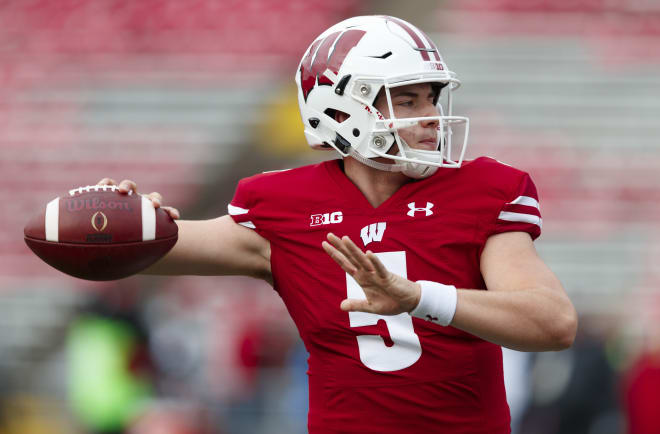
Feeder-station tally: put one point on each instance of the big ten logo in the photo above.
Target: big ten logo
(326, 219)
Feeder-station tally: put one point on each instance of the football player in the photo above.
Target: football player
(404, 267)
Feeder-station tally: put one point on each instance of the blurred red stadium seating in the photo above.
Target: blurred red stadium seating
(148, 90)
(601, 19)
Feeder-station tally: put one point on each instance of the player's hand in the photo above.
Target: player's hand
(127, 185)
(387, 293)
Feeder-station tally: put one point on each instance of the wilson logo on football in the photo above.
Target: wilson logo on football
(320, 64)
(75, 204)
(326, 219)
(99, 221)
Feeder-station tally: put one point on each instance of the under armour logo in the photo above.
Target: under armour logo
(413, 209)
(431, 318)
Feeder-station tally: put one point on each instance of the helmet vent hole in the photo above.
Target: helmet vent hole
(338, 115)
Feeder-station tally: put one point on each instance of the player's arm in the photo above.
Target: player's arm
(209, 247)
(215, 247)
(525, 307)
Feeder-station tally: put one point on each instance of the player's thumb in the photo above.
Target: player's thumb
(353, 305)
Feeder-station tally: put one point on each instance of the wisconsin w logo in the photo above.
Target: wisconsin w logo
(319, 63)
(373, 232)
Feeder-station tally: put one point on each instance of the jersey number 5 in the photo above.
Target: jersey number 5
(373, 351)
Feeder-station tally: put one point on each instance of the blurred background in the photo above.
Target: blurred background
(188, 97)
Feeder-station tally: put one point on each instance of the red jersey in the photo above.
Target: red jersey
(390, 374)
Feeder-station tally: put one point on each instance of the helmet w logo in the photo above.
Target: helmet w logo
(319, 62)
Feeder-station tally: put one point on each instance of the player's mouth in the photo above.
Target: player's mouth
(428, 144)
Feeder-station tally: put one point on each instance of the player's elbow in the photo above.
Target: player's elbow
(564, 328)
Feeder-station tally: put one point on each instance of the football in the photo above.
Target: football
(97, 233)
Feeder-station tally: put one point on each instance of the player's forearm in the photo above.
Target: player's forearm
(214, 248)
(534, 319)
(190, 255)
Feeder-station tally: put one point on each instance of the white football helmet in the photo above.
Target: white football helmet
(344, 70)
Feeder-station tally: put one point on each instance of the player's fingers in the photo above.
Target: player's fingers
(107, 181)
(339, 258)
(355, 305)
(357, 254)
(173, 212)
(334, 240)
(339, 245)
(378, 266)
(155, 198)
(127, 185)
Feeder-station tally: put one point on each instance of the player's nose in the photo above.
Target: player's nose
(429, 110)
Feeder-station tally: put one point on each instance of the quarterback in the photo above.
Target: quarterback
(404, 267)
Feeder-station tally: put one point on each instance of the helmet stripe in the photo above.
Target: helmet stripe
(423, 49)
(432, 45)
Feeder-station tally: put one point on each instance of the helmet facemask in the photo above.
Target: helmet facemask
(387, 141)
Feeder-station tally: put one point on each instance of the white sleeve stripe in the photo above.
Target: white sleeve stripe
(520, 217)
(52, 220)
(235, 210)
(248, 225)
(525, 200)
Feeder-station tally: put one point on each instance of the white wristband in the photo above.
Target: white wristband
(437, 302)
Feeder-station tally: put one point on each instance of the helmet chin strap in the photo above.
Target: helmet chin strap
(396, 167)
(418, 170)
(412, 170)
